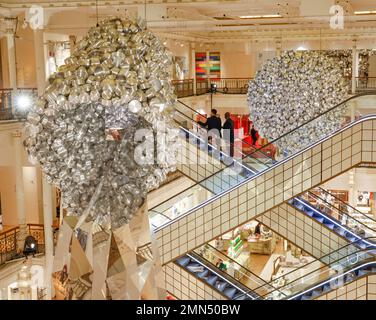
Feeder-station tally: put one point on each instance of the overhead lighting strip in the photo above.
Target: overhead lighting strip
(365, 12)
(261, 16)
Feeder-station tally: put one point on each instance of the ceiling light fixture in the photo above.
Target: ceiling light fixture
(261, 16)
(364, 12)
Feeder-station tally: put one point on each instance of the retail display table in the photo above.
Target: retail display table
(261, 245)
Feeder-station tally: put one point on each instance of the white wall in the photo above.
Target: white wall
(364, 180)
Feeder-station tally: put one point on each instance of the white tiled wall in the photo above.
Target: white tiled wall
(303, 231)
(361, 289)
(196, 163)
(185, 286)
(303, 172)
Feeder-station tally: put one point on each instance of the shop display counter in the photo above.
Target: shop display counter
(261, 245)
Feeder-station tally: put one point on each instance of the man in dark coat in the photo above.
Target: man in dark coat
(213, 122)
(228, 127)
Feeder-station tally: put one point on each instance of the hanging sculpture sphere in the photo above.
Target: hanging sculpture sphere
(85, 129)
(292, 89)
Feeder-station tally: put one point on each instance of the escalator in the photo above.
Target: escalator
(248, 194)
(348, 264)
(199, 159)
(228, 288)
(352, 263)
(237, 283)
(345, 221)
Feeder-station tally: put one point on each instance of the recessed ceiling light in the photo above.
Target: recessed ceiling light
(261, 16)
(249, 17)
(364, 12)
(272, 16)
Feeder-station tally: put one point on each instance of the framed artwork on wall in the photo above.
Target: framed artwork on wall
(208, 66)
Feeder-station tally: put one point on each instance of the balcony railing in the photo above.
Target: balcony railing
(9, 249)
(185, 88)
(366, 84)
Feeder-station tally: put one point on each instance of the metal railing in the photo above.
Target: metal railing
(365, 84)
(185, 88)
(231, 85)
(9, 249)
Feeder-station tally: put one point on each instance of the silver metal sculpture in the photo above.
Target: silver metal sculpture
(290, 90)
(116, 82)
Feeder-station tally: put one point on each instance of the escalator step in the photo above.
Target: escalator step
(326, 288)
(305, 297)
(316, 292)
(329, 225)
(340, 231)
(203, 274)
(363, 272)
(183, 261)
(300, 207)
(221, 286)
(350, 277)
(195, 267)
(230, 292)
(351, 238)
(362, 245)
(309, 213)
(212, 279)
(319, 219)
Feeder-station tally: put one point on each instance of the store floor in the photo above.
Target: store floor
(259, 261)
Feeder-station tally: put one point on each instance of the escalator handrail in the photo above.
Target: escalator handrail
(217, 196)
(331, 279)
(346, 204)
(338, 210)
(312, 287)
(316, 260)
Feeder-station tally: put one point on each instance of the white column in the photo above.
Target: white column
(12, 61)
(12, 66)
(278, 46)
(40, 64)
(354, 67)
(20, 195)
(48, 235)
(40, 61)
(193, 67)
